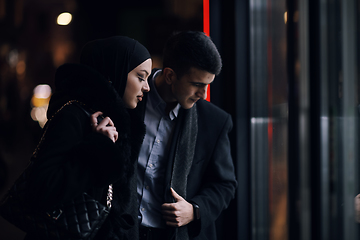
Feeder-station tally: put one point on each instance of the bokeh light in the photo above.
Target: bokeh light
(40, 102)
(64, 18)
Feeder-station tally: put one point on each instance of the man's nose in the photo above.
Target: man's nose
(202, 93)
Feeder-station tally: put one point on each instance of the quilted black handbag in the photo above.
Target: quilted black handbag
(80, 218)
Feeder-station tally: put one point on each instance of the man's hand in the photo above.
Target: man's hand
(179, 213)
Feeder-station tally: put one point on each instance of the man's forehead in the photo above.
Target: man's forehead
(199, 76)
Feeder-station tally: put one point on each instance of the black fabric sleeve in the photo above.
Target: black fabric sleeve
(73, 159)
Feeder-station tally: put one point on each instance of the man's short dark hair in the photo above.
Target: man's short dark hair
(189, 49)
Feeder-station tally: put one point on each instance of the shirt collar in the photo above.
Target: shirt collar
(157, 102)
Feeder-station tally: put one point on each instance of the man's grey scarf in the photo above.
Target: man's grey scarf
(184, 154)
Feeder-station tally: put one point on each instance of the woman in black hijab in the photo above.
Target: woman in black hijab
(81, 154)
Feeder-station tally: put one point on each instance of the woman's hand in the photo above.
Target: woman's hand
(106, 126)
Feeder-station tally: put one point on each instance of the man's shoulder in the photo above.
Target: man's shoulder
(209, 113)
(208, 108)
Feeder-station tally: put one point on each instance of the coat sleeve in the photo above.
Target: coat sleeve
(216, 186)
(73, 159)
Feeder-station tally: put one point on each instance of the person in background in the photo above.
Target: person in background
(81, 154)
(185, 170)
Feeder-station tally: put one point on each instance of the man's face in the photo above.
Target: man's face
(191, 87)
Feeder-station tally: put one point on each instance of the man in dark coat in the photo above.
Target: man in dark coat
(185, 169)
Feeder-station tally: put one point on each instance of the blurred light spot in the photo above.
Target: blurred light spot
(39, 114)
(20, 67)
(285, 17)
(61, 50)
(40, 102)
(64, 18)
(42, 91)
(13, 58)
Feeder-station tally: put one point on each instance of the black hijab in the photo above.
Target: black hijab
(114, 58)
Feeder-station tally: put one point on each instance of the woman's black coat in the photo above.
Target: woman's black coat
(73, 159)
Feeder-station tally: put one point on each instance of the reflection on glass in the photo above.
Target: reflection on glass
(269, 120)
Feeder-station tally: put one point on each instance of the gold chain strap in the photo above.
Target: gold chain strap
(109, 197)
(47, 126)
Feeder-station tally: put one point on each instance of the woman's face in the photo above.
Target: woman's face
(137, 84)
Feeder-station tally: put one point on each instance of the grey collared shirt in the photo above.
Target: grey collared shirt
(152, 160)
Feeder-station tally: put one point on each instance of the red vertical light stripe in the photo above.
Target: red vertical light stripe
(206, 17)
(206, 26)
